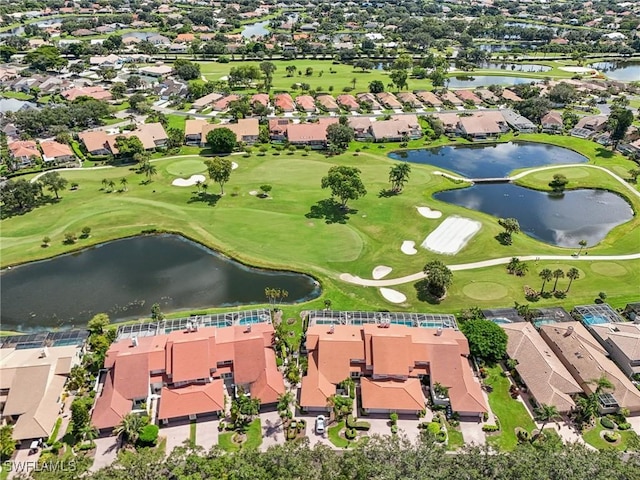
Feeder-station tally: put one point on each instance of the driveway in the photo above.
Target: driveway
(207, 434)
(106, 452)
(272, 432)
(176, 436)
(472, 432)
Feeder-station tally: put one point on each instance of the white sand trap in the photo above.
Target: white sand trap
(381, 271)
(451, 235)
(253, 192)
(393, 296)
(234, 165)
(189, 182)
(577, 69)
(408, 248)
(426, 212)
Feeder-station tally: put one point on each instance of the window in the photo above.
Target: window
(356, 374)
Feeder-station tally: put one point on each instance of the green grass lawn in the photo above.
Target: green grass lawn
(254, 438)
(16, 95)
(176, 121)
(593, 438)
(291, 230)
(510, 412)
(192, 433)
(455, 440)
(334, 435)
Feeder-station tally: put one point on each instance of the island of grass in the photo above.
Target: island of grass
(297, 230)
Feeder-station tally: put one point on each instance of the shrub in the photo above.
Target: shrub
(611, 437)
(441, 437)
(624, 426)
(394, 429)
(350, 433)
(490, 428)
(434, 428)
(351, 422)
(148, 436)
(86, 446)
(607, 423)
(291, 433)
(362, 425)
(394, 418)
(221, 427)
(523, 435)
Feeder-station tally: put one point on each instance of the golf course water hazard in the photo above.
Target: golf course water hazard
(559, 220)
(126, 277)
(490, 161)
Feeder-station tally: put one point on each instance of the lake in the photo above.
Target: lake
(124, 278)
(515, 67)
(490, 161)
(470, 80)
(558, 220)
(255, 30)
(623, 71)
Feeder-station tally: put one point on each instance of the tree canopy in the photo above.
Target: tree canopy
(186, 69)
(339, 136)
(345, 183)
(219, 170)
(487, 340)
(221, 140)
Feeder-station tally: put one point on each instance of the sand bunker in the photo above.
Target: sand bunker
(381, 271)
(234, 165)
(408, 248)
(451, 235)
(577, 69)
(426, 212)
(189, 182)
(393, 296)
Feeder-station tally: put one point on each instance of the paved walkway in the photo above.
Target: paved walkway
(106, 452)
(207, 434)
(176, 436)
(272, 431)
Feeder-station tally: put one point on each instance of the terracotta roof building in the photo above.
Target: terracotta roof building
(312, 134)
(389, 100)
(482, 125)
(206, 101)
(587, 361)
(247, 130)
(410, 99)
(23, 152)
(97, 92)
(622, 341)
(349, 102)
(190, 370)
(552, 122)
(396, 128)
(328, 103)
(429, 98)
(392, 362)
(306, 103)
(284, 102)
(152, 135)
(56, 152)
(540, 369)
(278, 129)
(261, 98)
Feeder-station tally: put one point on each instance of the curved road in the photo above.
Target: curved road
(347, 277)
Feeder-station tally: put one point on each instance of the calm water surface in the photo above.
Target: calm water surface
(490, 161)
(126, 277)
(559, 220)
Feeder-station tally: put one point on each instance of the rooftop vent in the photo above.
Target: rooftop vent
(439, 331)
(332, 328)
(134, 341)
(569, 331)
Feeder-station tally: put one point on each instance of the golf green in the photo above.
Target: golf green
(608, 269)
(186, 168)
(485, 291)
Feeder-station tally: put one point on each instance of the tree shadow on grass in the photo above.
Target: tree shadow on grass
(210, 199)
(386, 193)
(424, 294)
(331, 211)
(602, 152)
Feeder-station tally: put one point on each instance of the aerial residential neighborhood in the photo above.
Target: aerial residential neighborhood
(311, 240)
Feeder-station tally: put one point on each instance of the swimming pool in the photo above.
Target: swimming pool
(500, 320)
(254, 319)
(591, 319)
(543, 321)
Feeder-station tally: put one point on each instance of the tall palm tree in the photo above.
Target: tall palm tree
(557, 274)
(545, 414)
(148, 170)
(583, 244)
(112, 185)
(572, 274)
(123, 183)
(602, 384)
(399, 175)
(89, 432)
(546, 275)
(105, 183)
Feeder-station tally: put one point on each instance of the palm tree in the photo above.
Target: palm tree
(204, 188)
(572, 274)
(89, 432)
(557, 274)
(105, 182)
(545, 414)
(602, 384)
(112, 185)
(123, 183)
(148, 169)
(583, 244)
(198, 185)
(513, 264)
(521, 269)
(546, 275)
(284, 401)
(129, 427)
(399, 175)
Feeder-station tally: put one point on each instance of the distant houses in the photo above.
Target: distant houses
(152, 135)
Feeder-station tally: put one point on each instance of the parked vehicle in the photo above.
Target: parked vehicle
(320, 424)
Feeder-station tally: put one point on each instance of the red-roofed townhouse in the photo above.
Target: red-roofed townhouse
(284, 102)
(24, 153)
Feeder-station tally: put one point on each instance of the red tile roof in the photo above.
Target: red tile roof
(191, 400)
(403, 395)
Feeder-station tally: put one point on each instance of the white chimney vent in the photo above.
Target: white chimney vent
(134, 341)
(332, 328)
(439, 331)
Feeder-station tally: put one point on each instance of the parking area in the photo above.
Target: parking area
(272, 431)
(207, 434)
(472, 432)
(106, 452)
(176, 435)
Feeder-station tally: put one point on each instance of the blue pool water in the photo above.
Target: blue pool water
(543, 321)
(251, 320)
(594, 319)
(500, 321)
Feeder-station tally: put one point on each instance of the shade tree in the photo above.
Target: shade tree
(345, 183)
(487, 340)
(219, 170)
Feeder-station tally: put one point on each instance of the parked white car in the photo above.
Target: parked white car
(320, 424)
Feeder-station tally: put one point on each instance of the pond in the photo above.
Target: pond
(558, 220)
(623, 71)
(515, 67)
(255, 30)
(470, 80)
(124, 278)
(490, 161)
